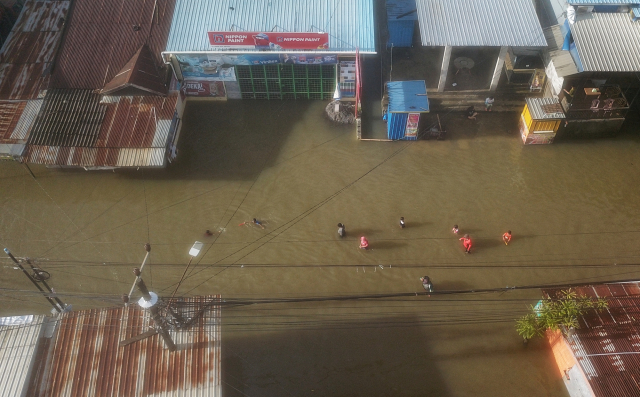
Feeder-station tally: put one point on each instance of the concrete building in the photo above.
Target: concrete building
(592, 63)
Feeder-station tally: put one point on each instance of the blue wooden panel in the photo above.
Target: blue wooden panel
(396, 125)
(400, 33)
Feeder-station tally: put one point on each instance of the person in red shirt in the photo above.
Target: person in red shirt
(466, 241)
(364, 243)
(507, 237)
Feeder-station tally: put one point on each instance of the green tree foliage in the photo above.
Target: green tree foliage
(560, 313)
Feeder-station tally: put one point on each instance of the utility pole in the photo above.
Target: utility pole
(149, 301)
(57, 304)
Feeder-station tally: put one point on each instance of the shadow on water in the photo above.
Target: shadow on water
(364, 358)
(232, 140)
(447, 285)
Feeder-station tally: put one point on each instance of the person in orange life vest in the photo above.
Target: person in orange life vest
(364, 244)
(466, 241)
(507, 237)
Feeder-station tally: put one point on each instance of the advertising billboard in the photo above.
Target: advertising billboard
(202, 67)
(309, 59)
(274, 41)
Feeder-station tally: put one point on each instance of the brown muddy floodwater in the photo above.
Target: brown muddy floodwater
(572, 207)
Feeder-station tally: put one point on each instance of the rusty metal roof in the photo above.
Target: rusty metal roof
(102, 36)
(140, 73)
(84, 129)
(85, 358)
(27, 55)
(607, 344)
(16, 120)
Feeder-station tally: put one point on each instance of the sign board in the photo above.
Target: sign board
(199, 88)
(200, 67)
(412, 125)
(274, 41)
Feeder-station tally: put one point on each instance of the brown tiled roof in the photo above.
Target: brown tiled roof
(85, 358)
(140, 73)
(27, 55)
(102, 36)
(607, 344)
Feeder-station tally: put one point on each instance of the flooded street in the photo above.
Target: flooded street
(572, 207)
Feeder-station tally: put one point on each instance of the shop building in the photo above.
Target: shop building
(592, 63)
(477, 38)
(279, 49)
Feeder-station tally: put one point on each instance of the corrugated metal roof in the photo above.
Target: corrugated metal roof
(350, 24)
(86, 360)
(540, 108)
(83, 129)
(603, 2)
(18, 347)
(26, 56)
(607, 344)
(68, 118)
(100, 38)
(479, 23)
(407, 96)
(635, 11)
(562, 60)
(16, 120)
(607, 42)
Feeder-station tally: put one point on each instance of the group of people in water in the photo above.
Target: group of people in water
(426, 281)
(364, 243)
(466, 239)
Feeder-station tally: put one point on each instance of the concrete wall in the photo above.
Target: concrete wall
(568, 368)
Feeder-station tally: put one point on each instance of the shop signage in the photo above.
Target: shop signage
(209, 89)
(274, 41)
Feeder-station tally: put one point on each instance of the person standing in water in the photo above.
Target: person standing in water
(364, 243)
(507, 237)
(402, 222)
(341, 230)
(426, 283)
(466, 241)
(455, 229)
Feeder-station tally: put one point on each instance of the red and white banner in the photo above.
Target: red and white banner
(269, 41)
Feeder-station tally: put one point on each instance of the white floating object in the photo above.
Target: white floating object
(195, 250)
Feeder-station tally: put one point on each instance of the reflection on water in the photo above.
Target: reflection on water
(571, 206)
